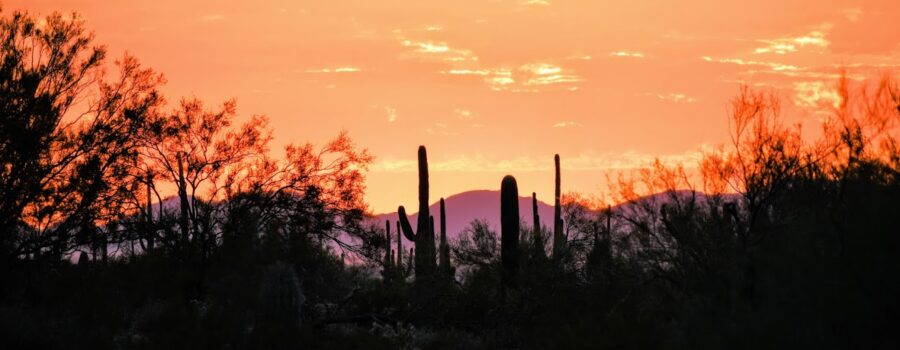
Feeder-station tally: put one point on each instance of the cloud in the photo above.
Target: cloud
(816, 95)
(565, 124)
(783, 46)
(526, 77)
(529, 77)
(855, 71)
(546, 74)
(632, 54)
(212, 17)
(391, 114)
(469, 72)
(427, 50)
(530, 3)
(347, 69)
(773, 65)
(673, 97)
(463, 114)
(579, 58)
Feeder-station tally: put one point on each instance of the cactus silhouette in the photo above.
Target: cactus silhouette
(83, 259)
(410, 260)
(280, 297)
(559, 240)
(399, 248)
(537, 240)
(509, 226)
(444, 256)
(388, 260)
(425, 264)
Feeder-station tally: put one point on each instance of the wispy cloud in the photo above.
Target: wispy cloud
(816, 95)
(391, 113)
(579, 58)
(528, 3)
(464, 114)
(428, 50)
(348, 69)
(799, 72)
(673, 97)
(783, 46)
(529, 77)
(773, 65)
(632, 54)
(565, 124)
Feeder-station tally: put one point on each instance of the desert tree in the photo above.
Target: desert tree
(67, 135)
(314, 193)
(193, 151)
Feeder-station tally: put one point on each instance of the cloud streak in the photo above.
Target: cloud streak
(783, 46)
(631, 54)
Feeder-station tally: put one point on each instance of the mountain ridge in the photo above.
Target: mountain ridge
(464, 207)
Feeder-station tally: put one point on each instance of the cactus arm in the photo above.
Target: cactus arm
(404, 224)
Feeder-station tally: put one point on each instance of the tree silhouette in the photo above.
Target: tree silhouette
(193, 151)
(67, 136)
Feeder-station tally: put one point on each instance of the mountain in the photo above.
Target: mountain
(463, 208)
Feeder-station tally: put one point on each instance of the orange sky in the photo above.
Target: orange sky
(495, 87)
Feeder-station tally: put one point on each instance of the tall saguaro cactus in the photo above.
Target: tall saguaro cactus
(509, 226)
(399, 248)
(444, 254)
(559, 240)
(537, 239)
(424, 235)
(387, 249)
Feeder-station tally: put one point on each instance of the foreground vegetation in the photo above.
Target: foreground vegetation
(777, 242)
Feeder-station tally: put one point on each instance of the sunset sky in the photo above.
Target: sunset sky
(497, 87)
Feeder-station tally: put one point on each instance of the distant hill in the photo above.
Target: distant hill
(463, 208)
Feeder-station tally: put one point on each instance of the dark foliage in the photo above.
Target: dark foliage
(785, 244)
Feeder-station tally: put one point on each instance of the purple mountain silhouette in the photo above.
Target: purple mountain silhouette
(463, 208)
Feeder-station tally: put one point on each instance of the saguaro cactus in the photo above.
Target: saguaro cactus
(509, 226)
(410, 260)
(537, 239)
(559, 240)
(424, 235)
(399, 248)
(444, 255)
(388, 260)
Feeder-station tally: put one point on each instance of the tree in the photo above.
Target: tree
(314, 193)
(66, 133)
(193, 150)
